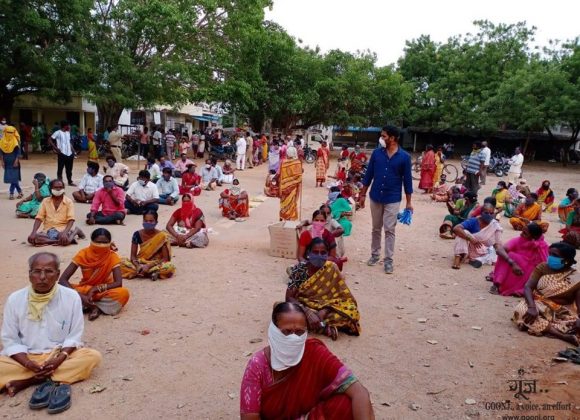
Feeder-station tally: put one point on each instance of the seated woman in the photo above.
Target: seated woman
(235, 202)
(567, 204)
(500, 193)
(516, 261)
(296, 376)
(150, 252)
(475, 236)
(460, 209)
(571, 233)
(334, 228)
(315, 229)
(186, 227)
(28, 206)
(528, 211)
(101, 287)
(319, 285)
(341, 211)
(190, 181)
(550, 296)
(512, 200)
(228, 172)
(545, 196)
(441, 190)
(272, 187)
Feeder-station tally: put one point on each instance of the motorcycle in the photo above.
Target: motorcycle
(222, 152)
(309, 154)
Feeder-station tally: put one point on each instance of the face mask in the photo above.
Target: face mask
(4, 122)
(499, 187)
(100, 248)
(142, 182)
(382, 143)
(235, 190)
(285, 351)
(555, 263)
(529, 202)
(108, 185)
(207, 166)
(317, 260)
(317, 229)
(57, 193)
(149, 225)
(486, 217)
(333, 196)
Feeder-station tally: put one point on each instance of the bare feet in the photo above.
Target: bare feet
(14, 387)
(94, 314)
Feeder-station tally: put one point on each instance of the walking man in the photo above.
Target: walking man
(241, 153)
(486, 152)
(474, 168)
(389, 170)
(64, 150)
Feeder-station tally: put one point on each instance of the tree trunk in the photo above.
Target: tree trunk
(109, 114)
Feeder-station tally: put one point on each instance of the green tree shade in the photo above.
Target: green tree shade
(41, 45)
(162, 51)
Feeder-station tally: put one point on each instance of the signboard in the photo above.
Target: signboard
(157, 118)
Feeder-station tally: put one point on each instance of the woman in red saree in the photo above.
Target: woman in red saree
(101, 287)
(322, 163)
(190, 181)
(186, 226)
(235, 202)
(427, 170)
(297, 378)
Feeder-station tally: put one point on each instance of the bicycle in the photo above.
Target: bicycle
(449, 169)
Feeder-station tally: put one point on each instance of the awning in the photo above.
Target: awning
(206, 118)
(354, 129)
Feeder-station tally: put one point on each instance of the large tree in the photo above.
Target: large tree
(147, 52)
(41, 44)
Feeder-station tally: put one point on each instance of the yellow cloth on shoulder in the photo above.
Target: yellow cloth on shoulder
(37, 302)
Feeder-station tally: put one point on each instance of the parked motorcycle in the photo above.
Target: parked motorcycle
(309, 154)
(222, 152)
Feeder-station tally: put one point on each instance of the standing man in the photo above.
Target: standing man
(170, 140)
(64, 150)
(157, 142)
(516, 163)
(241, 153)
(486, 152)
(474, 168)
(250, 150)
(389, 170)
(115, 142)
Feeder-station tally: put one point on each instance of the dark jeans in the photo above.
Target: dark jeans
(65, 162)
(143, 149)
(163, 198)
(472, 182)
(133, 209)
(101, 219)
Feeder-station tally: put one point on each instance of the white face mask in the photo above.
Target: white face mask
(142, 182)
(57, 193)
(382, 142)
(208, 166)
(285, 351)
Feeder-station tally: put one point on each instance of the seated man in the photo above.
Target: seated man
(209, 176)
(168, 188)
(89, 184)
(41, 335)
(57, 216)
(119, 172)
(166, 163)
(142, 195)
(108, 204)
(153, 169)
(220, 172)
(181, 165)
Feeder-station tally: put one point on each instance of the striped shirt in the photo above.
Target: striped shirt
(474, 163)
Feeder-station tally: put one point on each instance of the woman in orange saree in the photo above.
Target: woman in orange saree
(290, 185)
(297, 377)
(529, 211)
(322, 164)
(101, 287)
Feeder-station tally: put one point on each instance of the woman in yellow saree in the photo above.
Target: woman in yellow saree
(150, 252)
(290, 185)
(321, 288)
(101, 287)
(439, 158)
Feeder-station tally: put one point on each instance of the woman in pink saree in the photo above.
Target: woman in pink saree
(517, 260)
(475, 237)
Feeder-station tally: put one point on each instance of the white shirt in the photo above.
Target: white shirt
(168, 187)
(61, 325)
(143, 193)
(241, 146)
(63, 142)
(155, 171)
(90, 184)
(157, 138)
(208, 174)
(486, 153)
(516, 163)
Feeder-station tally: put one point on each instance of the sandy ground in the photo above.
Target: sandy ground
(203, 320)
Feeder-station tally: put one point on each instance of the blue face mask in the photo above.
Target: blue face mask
(149, 225)
(555, 263)
(486, 217)
(317, 260)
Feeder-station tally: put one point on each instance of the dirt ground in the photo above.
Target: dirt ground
(204, 322)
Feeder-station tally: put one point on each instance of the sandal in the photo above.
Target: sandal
(475, 263)
(94, 314)
(60, 399)
(11, 197)
(20, 196)
(41, 395)
(494, 290)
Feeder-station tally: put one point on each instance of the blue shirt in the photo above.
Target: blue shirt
(471, 225)
(474, 163)
(388, 175)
